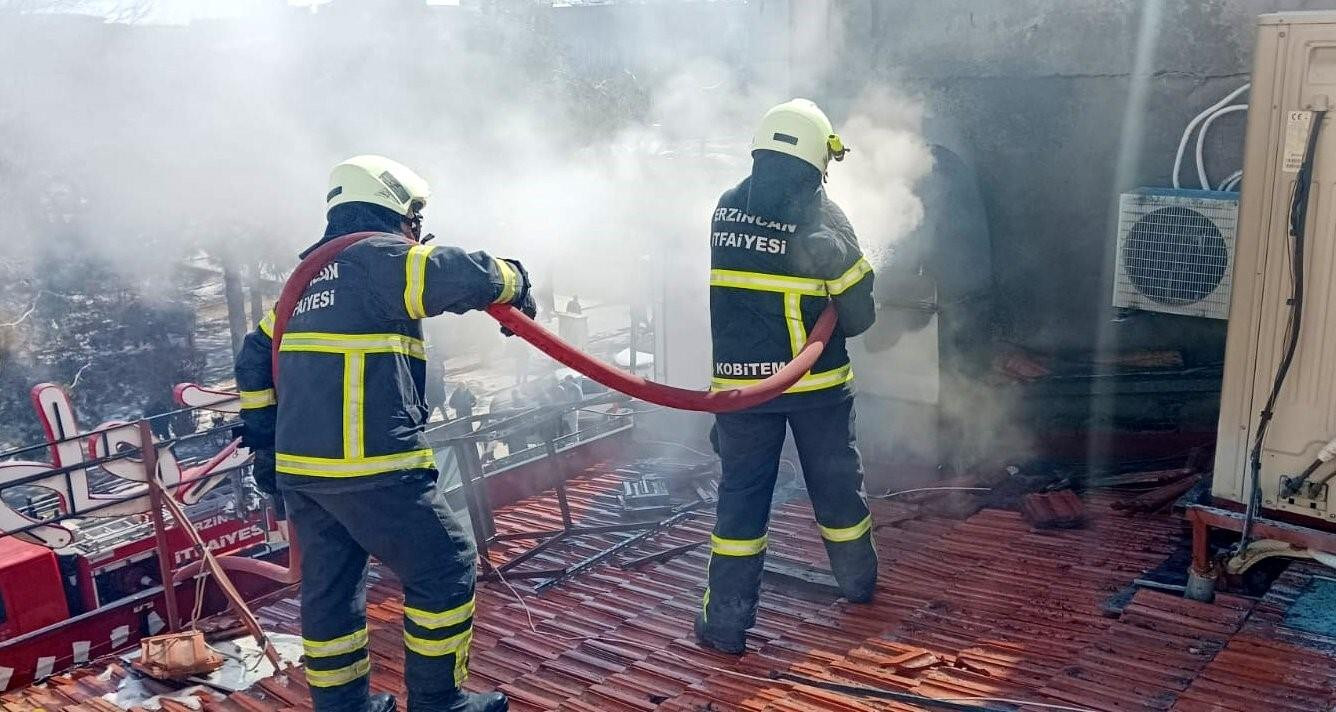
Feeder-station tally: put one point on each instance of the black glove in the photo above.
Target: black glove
(524, 298)
(527, 306)
(264, 472)
(250, 433)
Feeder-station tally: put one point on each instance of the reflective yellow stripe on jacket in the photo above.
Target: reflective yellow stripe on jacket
(354, 403)
(767, 282)
(267, 324)
(353, 466)
(251, 400)
(793, 319)
(793, 289)
(851, 276)
(810, 382)
(415, 280)
(354, 349)
(344, 343)
(807, 286)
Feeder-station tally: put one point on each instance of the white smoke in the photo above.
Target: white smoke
(875, 184)
(599, 174)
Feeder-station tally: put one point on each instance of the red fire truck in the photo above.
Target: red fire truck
(73, 587)
(80, 568)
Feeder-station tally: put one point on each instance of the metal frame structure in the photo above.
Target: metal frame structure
(1204, 519)
(137, 443)
(156, 492)
(544, 420)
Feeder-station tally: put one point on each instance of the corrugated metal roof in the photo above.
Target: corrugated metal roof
(986, 606)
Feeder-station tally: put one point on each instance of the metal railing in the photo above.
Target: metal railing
(545, 422)
(61, 483)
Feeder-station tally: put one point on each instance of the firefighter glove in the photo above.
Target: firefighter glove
(523, 300)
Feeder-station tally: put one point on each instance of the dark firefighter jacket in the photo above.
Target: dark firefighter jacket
(352, 363)
(779, 251)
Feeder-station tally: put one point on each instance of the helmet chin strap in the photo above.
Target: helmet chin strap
(412, 226)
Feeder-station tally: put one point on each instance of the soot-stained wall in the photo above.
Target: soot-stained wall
(1036, 91)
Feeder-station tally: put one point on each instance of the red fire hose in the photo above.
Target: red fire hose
(549, 343)
(720, 401)
(552, 345)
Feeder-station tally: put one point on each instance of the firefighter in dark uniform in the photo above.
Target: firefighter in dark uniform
(780, 252)
(345, 435)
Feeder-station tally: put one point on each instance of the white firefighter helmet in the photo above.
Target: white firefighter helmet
(800, 129)
(377, 180)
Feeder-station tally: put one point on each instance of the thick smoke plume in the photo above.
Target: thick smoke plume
(141, 147)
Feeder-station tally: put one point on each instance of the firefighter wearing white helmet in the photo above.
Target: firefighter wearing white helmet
(799, 128)
(377, 180)
(780, 252)
(341, 440)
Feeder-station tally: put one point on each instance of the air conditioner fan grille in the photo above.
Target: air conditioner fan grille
(1175, 256)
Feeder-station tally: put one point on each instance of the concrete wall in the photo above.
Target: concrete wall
(1037, 92)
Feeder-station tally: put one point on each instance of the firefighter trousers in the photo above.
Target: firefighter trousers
(749, 446)
(409, 528)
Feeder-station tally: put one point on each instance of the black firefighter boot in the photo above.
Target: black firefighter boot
(854, 564)
(382, 702)
(731, 641)
(460, 701)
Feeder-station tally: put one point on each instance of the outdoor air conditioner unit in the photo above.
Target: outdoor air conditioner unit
(1294, 75)
(1176, 251)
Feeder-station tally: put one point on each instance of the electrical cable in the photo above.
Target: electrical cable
(1201, 141)
(889, 495)
(618, 413)
(1298, 225)
(684, 447)
(1187, 132)
(1234, 179)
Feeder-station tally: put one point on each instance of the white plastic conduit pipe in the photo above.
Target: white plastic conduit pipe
(1187, 132)
(1234, 179)
(1201, 141)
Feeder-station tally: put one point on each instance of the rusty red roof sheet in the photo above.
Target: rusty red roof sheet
(1053, 510)
(987, 606)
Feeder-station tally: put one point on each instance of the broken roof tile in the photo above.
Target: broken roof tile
(986, 606)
